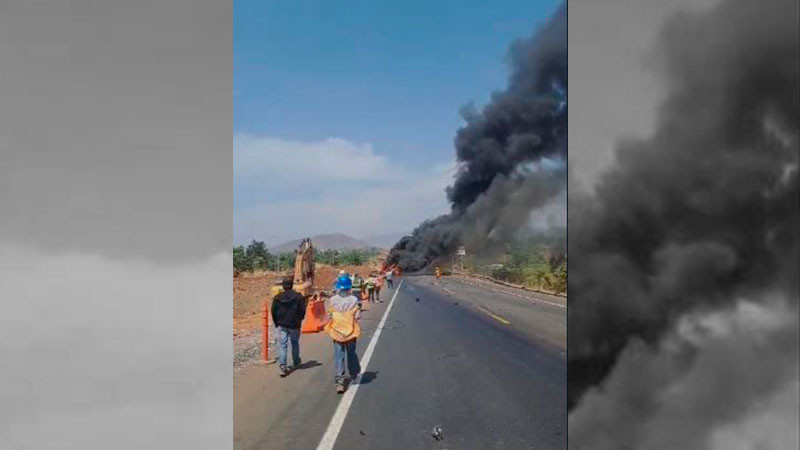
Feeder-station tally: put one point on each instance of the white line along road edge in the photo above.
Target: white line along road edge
(535, 299)
(329, 438)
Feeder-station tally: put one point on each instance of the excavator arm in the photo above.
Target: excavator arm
(304, 268)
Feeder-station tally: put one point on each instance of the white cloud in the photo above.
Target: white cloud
(331, 159)
(344, 187)
(95, 349)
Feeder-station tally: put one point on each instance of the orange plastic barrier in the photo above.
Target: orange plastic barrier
(316, 317)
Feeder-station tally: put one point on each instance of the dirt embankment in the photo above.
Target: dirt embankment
(251, 290)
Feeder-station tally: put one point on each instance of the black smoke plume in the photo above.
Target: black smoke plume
(684, 260)
(505, 154)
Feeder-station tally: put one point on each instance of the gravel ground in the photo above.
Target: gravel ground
(247, 347)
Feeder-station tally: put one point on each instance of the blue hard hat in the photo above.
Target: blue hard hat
(344, 283)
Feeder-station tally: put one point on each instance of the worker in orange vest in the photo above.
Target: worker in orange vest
(369, 287)
(343, 328)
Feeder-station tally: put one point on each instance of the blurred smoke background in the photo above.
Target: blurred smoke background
(115, 232)
(683, 313)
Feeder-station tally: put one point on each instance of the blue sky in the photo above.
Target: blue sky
(383, 79)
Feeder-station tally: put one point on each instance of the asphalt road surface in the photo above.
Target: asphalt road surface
(485, 363)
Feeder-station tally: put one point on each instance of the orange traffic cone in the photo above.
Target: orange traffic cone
(316, 317)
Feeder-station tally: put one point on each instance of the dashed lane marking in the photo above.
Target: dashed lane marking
(495, 316)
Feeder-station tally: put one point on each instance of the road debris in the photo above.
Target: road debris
(437, 433)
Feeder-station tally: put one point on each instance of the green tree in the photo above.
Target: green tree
(352, 257)
(286, 261)
(257, 255)
(240, 261)
(560, 278)
(329, 257)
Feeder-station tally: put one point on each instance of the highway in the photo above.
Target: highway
(485, 363)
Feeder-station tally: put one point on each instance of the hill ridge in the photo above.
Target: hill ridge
(322, 242)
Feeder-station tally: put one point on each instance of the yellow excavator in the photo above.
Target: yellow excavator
(303, 270)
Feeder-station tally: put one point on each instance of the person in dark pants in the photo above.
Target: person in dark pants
(288, 311)
(390, 279)
(358, 284)
(378, 286)
(369, 285)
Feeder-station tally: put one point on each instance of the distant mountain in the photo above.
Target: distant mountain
(386, 240)
(322, 242)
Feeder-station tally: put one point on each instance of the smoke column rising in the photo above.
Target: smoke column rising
(683, 315)
(511, 155)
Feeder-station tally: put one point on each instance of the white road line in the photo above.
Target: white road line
(329, 438)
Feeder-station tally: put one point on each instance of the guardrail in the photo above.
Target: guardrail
(505, 283)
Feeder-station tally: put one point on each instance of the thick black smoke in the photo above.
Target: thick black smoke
(689, 222)
(499, 151)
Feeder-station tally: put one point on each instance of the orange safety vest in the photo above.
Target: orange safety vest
(343, 326)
